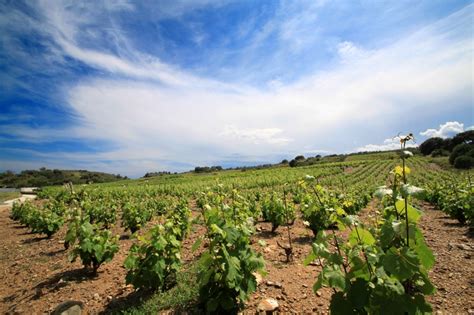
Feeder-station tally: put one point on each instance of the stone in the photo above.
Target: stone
(268, 305)
(96, 296)
(69, 308)
(318, 293)
(270, 283)
(464, 246)
(278, 285)
(258, 277)
(304, 285)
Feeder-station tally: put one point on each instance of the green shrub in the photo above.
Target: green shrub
(154, 262)
(464, 162)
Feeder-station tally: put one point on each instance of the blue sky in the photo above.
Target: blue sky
(132, 87)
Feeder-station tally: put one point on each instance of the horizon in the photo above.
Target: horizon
(129, 88)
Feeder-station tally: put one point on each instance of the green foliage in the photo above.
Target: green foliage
(94, 246)
(154, 262)
(275, 211)
(455, 197)
(226, 270)
(378, 269)
(430, 145)
(100, 213)
(463, 149)
(178, 222)
(46, 220)
(46, 177)
(464, 162)
(319, 211)
(134, 216)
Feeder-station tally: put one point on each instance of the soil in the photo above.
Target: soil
(37, 276)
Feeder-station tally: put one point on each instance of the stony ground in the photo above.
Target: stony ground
(37, 276)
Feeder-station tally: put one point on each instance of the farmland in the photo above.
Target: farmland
(325, 236)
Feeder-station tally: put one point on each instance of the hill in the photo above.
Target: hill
(48, 177)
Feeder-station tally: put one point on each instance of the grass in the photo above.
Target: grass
(180, 298)
(4, 196)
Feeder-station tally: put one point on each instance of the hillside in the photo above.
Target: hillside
(47, 177)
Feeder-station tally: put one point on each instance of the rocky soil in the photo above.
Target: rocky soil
(37, 276)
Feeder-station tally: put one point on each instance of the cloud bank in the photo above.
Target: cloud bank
(156, 115)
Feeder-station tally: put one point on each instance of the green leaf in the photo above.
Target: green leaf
(309, 259)
(196, 244)
(335, 278)
(319, 283)
(401, 264)
(424, 253)
(358, 294)
(413, 214)
(365, 236)
(340, 305)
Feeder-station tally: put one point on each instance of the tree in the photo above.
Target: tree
(464, 162)
(430, 145)
(460, 150)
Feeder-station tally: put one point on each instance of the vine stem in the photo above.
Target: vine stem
(339, 251)
(403, 145)
(287, 221)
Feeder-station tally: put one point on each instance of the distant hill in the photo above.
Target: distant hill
(47, 177)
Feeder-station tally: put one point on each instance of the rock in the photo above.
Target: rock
(278, 285)
(270, 283)
(318, 293)
(268, 305)
(464, 246)
(304, 285)
(109, 298)
(96, 296)
(258, 277)
(69, 308)
(305, 296)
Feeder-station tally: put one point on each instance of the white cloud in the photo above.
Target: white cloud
(388, 144)
(447, 130)
(152, 111)
(256, 136)
(349, 51)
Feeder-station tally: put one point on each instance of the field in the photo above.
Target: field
(194, 242)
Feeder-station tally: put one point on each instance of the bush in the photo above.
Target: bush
(430, 145)
(461, 149)
(464, 162)
(439, 152)
(154, 262)
(94, 247)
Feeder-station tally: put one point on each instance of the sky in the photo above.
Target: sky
(141, 86)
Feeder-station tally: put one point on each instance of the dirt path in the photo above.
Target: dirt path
(453, 273)
(37, 276)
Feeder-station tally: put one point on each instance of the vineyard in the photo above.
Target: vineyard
(384, 235)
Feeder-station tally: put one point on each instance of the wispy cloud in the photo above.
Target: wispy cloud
(156, 113)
